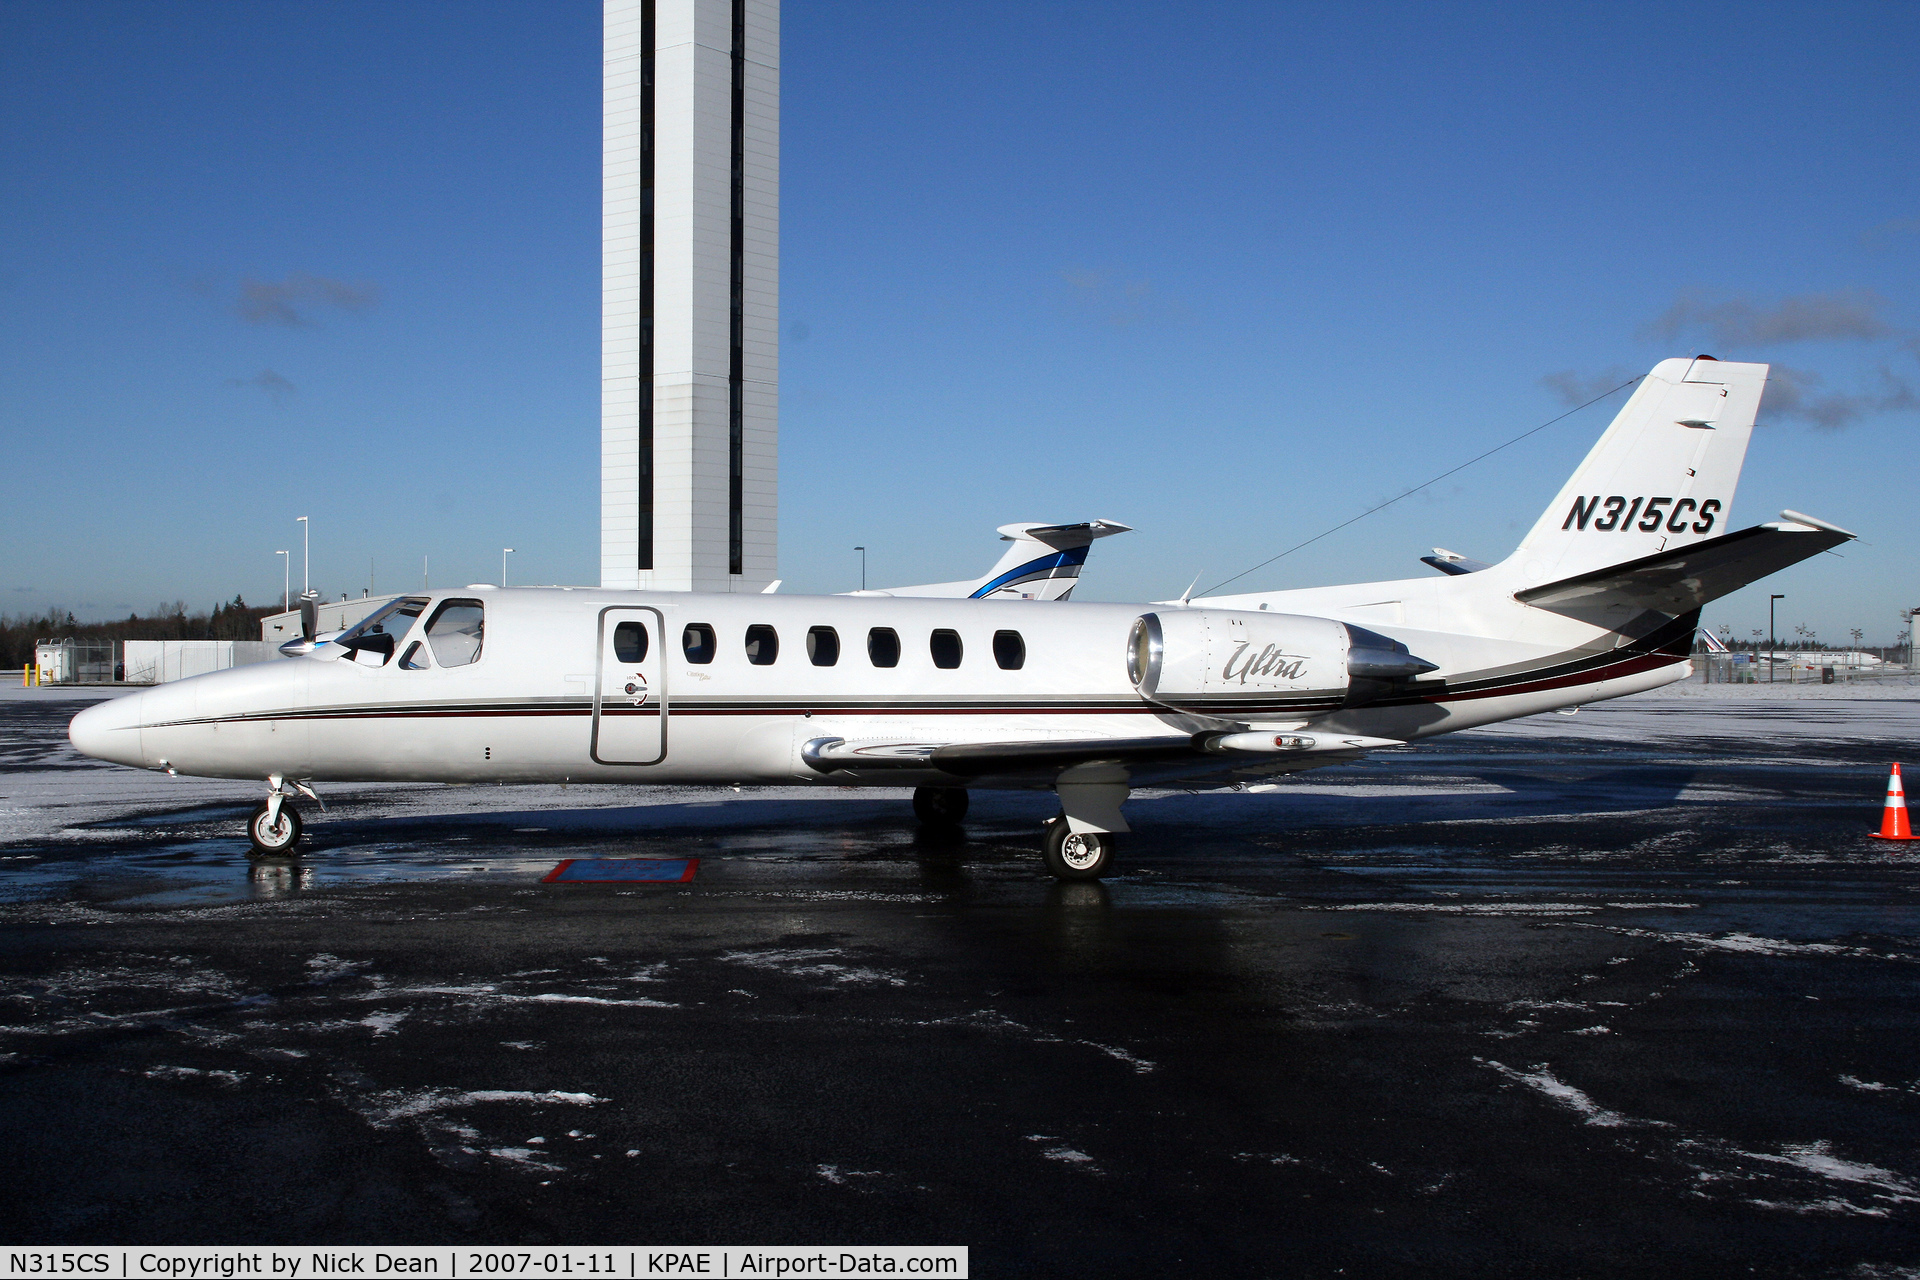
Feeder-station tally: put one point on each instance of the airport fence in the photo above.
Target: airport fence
(1799, 668)
(69, 661)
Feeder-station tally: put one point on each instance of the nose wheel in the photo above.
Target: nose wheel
(274, 829)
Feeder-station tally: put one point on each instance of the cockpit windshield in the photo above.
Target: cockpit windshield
(373, 640)
(394, 618)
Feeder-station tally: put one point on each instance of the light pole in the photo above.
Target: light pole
(286, 580)
(1770, 640)
(504, 553)
(306, 556)
(863, 567)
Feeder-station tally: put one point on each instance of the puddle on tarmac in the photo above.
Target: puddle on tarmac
(218, 872)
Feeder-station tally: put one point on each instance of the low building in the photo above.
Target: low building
(158, 661)
(335, 615)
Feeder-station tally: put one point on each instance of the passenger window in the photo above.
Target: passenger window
(698, 643)
(630, 643)
(1009, 650)
(416, 657)
(456, 632)
(883, 647)
(823, 646)
(945, 647)
(763, 645)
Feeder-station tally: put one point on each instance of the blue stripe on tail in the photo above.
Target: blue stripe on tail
(1043, 567)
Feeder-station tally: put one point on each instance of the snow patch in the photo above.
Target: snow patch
(228, 1078)
(813, 962)
(1544, 1082)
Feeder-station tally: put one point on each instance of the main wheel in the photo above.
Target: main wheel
(1077, 855)
(276, 839)
(940, 806)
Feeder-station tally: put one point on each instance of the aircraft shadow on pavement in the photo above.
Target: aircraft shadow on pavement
(1380, 798)
(1375, 798)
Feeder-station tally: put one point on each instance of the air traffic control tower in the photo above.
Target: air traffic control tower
(690, 295)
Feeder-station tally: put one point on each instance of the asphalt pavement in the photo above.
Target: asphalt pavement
(1624, 993)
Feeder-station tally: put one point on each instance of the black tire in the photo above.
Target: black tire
(1086, 856)
(940, 806)
(278, 841)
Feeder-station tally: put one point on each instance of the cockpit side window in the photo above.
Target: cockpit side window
(456, 631)
(415, 658)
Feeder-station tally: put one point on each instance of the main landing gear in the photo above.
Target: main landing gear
(273, 829)
(1079, 843)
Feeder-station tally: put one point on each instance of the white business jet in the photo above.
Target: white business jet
(582, 684)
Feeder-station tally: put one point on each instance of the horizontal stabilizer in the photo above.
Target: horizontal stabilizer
(1453, 563)
(1678, 581)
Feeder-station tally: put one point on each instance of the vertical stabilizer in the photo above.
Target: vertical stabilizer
(1043, 563)
(1662, 476)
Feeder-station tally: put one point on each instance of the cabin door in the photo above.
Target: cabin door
(630, 688)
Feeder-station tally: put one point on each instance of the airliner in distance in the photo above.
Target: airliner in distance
(583, 684)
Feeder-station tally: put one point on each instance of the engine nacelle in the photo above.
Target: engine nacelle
(1261, 665)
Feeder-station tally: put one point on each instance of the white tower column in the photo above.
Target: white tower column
(690, 302)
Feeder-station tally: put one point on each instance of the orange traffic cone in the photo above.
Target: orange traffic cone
(1895, 825)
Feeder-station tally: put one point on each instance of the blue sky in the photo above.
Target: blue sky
(1229, 273)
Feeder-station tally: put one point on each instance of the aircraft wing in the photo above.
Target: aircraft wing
(1050, 755)
(1679, 581)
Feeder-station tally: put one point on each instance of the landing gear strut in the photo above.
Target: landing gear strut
(940, 806)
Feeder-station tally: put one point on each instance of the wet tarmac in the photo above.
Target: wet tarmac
(1627, 993)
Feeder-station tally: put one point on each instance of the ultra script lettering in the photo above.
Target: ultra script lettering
(1270, 661)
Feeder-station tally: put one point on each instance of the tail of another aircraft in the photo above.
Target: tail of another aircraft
(1042, 564)
(1661, 477)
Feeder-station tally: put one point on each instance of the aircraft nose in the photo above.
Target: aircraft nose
(110, 730)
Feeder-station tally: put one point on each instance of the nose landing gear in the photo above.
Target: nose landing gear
(273, 830)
